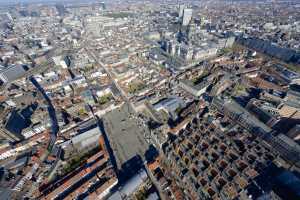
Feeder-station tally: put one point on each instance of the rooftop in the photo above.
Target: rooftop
(125, 134)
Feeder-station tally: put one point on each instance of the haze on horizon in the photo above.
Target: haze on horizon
(7, 2)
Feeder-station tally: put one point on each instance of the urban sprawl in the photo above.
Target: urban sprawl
(150, 100)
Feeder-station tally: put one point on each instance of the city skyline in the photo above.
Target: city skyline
(150, 100)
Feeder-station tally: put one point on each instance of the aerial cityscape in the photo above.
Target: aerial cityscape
(150, 99)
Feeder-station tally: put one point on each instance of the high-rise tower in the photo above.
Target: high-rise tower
(181, 8)
(187, 16)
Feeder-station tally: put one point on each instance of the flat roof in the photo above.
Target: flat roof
(125, 135)
(196, 87)
(92, 133)
(235, 107)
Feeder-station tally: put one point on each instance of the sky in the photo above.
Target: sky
(35, 1)
(26, 1)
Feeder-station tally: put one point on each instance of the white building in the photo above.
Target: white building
(196, 90)
(181, 8)
(104, 92)
(187, 16)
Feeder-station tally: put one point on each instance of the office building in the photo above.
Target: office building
(15, 122)
(170, 105)
(195, 89)
(87, 140)
(4, 134)
(12, 73)
(294, 133)
(210, 167)
(102, 6)
(187, 16)
(181, 8)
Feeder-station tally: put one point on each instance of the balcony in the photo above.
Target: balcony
(221, 182)
(241, 166)
(231, 174)
(222, 165)
(212, 174)
(203, 182)
(211, 192)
